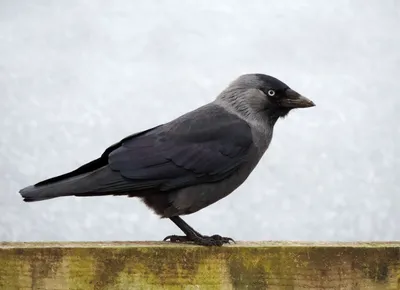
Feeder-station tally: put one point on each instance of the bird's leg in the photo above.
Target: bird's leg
(194, 236)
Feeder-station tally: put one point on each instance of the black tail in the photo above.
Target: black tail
(81, 185)
(100, 182)
(52, 190)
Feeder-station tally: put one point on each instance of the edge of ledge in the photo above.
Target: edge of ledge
(245, 244)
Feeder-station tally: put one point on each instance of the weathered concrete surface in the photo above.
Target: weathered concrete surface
(149, 265)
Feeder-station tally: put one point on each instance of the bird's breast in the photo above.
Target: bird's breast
(262, 136)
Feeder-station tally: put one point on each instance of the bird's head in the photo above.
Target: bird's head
(259, 94)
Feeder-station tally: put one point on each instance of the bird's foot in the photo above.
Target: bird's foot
(214, 240)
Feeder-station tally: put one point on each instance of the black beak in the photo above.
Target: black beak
(295, 100)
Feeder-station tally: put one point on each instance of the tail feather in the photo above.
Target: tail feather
(32, 199)
(100, 182)
(49, 191)
(82, 185)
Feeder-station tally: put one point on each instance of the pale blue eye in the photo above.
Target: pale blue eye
(271, 93)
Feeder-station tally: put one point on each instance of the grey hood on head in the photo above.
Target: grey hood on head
(247, 97)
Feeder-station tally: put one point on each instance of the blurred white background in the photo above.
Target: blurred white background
(77, 76)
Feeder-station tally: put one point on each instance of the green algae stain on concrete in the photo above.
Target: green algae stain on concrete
(293, 267)
(122, 268)
(365, 268)
(179, 266)
(107, 266)
(193, 267)
(80, 271)
(255, 268)
(247, 270)
(41, 265)
(377, 264)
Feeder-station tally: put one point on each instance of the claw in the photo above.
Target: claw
(176, 239)
(225, 240)
(215, 240)
(167, 238)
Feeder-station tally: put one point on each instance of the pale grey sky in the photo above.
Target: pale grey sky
(77, 76)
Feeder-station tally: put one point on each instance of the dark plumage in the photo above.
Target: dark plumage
(189, 163)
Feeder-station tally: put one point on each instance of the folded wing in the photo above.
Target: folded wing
(200, 147)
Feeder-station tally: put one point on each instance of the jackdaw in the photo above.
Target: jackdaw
(182, 166)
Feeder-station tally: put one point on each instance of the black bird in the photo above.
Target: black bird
(182, 166)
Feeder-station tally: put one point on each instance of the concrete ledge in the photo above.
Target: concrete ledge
(153, 265)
